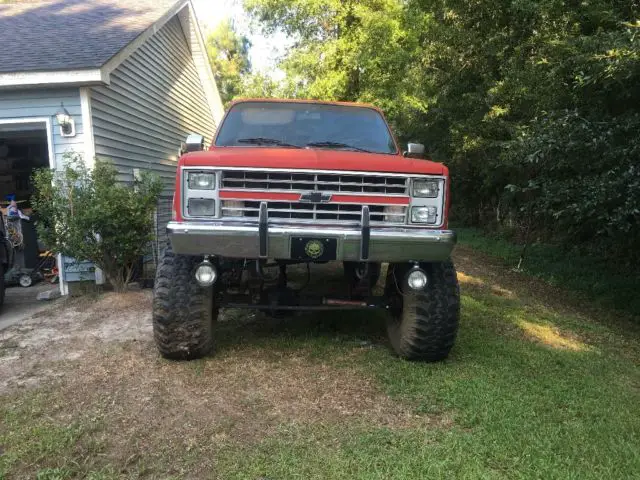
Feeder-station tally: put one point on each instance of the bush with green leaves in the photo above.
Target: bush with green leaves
(89, 215)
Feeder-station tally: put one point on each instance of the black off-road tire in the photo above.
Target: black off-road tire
(423, 326)
(184, 313)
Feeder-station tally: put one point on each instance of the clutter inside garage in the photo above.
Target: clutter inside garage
(22, 151)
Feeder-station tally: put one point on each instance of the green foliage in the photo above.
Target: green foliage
(259, 85)
(229, 56)
(87, 214)
(534, 106)
(346, 50)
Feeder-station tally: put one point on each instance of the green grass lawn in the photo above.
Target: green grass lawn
(518, 408)
(613, 285)
(530, 391)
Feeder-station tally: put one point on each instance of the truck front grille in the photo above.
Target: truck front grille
(342, 194)
(319, 212)
(323, 182)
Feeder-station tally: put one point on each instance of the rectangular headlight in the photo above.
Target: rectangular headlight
(202, 181)
(201, 207)
(428, 215)
(426, 188)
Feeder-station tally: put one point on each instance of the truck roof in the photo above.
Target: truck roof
(297, 100)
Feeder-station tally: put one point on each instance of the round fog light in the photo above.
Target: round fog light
(417, 279)
(206, 274)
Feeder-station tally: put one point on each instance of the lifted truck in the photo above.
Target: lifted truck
(301, 182)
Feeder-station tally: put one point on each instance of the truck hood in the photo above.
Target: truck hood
(310, 159)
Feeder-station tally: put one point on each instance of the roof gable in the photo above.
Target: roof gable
(71, 35)
(84, 60)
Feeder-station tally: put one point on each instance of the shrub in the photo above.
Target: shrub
(89, 215)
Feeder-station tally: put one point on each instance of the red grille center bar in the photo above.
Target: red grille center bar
(295, 197)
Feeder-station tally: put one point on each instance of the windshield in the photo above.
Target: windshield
(305, 125)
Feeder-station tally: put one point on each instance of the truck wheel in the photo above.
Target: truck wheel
(25, 280)
(423, 325)
(183, 312)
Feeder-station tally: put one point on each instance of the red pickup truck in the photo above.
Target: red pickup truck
(290, 183)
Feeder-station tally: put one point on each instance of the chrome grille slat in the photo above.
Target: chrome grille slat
(309, 182)
(309, 211)
(319, 212)
(331, 183)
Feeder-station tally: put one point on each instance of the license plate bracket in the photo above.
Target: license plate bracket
(316, 249)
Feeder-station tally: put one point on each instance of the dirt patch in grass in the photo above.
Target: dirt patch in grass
(95, 360)
(28, 351)
(476, 270)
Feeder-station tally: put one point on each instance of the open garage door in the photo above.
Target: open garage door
(25, 145)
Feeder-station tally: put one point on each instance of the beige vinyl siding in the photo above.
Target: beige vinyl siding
(154, 100)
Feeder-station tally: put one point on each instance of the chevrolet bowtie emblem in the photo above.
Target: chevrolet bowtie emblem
(315, 197)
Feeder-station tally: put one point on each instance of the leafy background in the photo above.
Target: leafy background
(533, 105)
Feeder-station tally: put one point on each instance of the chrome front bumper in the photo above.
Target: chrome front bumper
(235, 239)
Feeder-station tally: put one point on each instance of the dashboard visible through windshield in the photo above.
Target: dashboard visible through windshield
(305, 125)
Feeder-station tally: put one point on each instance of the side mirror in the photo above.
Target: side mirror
(194, 143)
(414, 150)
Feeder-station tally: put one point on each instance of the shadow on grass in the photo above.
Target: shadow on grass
(318, 331)
(487, 307)
(590, 278)
(532, 319)
(339, 329)
(531, 390)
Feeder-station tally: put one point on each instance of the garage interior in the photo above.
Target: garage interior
(23, 149)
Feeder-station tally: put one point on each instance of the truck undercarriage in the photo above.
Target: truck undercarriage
(266, 286)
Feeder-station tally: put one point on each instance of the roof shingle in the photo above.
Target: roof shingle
(71, 34)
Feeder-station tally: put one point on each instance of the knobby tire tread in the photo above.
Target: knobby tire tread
(183, 312)
(427, 327)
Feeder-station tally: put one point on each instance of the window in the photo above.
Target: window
(305, 125)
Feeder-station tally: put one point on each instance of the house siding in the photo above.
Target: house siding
(44, 103)
(154, 100)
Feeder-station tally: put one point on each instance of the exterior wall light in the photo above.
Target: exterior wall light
(66, 122)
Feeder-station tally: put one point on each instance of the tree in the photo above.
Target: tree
(89, 215)
(260, 85)
(229, 56)
(344, 50)
(532, 105)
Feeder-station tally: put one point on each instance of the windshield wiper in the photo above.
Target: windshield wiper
(337, 145)
(267, 141)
